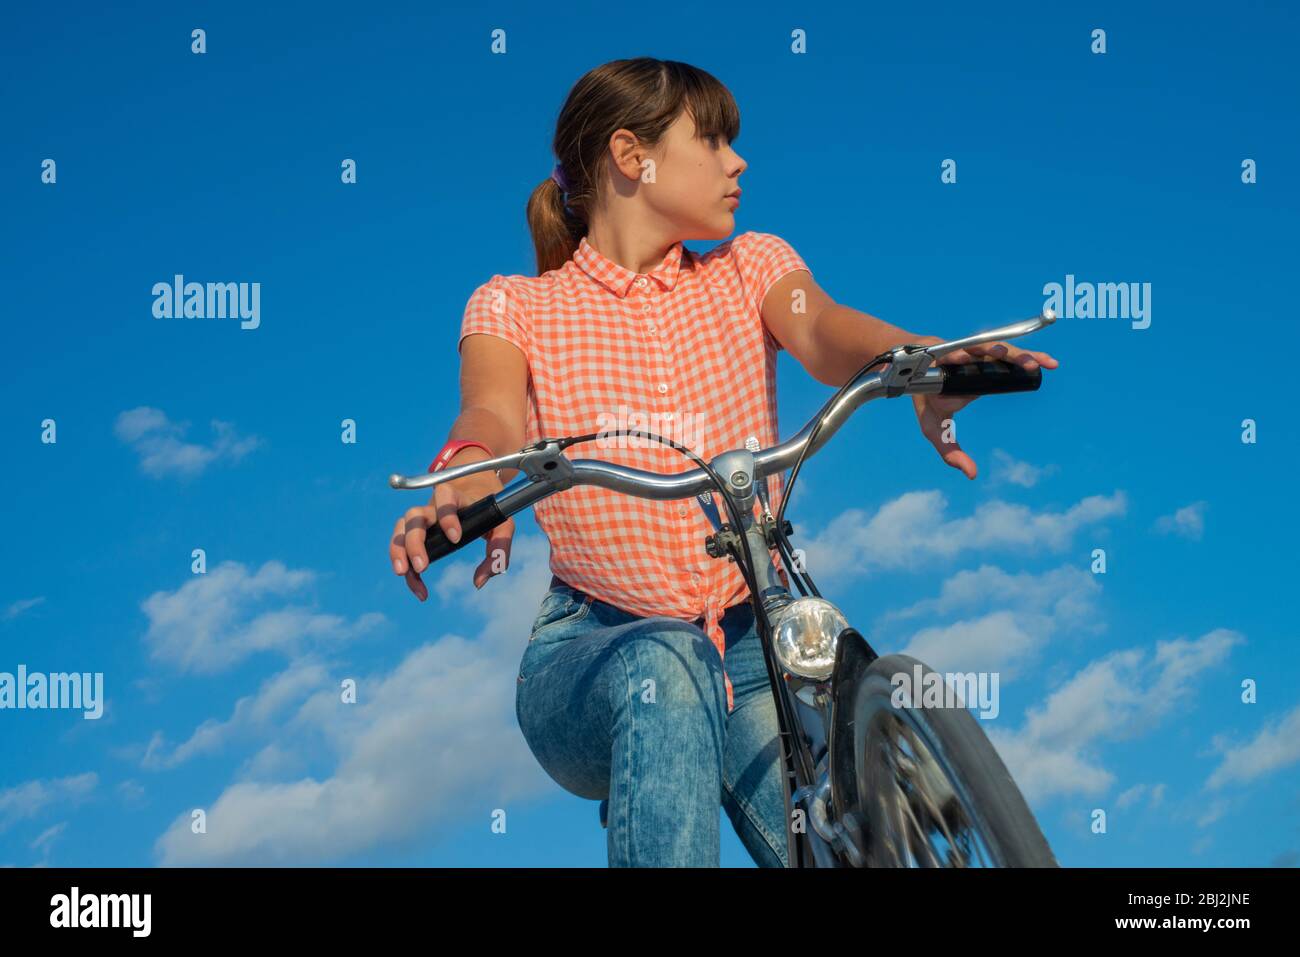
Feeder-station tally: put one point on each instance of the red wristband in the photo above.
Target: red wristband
(450, 449)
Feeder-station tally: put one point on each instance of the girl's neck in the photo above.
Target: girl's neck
(636, 246)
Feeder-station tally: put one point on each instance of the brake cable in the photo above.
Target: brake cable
(783, 543)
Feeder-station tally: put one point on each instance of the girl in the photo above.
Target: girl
(643, 682)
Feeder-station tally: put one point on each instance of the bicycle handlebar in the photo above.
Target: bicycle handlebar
(909, 370)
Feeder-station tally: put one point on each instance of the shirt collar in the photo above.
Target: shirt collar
(618, 279)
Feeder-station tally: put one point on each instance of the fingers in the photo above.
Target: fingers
(932, 413)
(407, 550)
(1009, 353)
(415, 521)
(416, 584)
(1044, 359)
(993, 350)
(498, 553)
(962, 462)
(404, 554)
(447, 503)
(932, 410)
(945, 406)
(953, 454)
(397, 547)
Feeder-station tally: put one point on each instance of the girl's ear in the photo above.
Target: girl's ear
(627, 153)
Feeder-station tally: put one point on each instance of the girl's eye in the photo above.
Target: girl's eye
(713, 138)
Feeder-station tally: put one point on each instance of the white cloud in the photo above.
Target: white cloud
(1188, 521)
(1212, 813)
(47, 836)
(995, 642)
(1121, 695)
(1012, 470)
(1276, 745)
(32, 798)
(273, 761)
(1133, 795)
(18, 607)
(912, 531)
(208, 624)
(430, 745)
(251, 713)
(1066, 593)
(163, 451)
(132, 793)
(1026, 611)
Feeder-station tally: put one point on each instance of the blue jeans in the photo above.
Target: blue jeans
(630, 709)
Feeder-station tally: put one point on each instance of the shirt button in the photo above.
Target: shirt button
(695, 578)
(651, 327)
(663, 388)
(682, 511)
(640, 280)
(646, 307)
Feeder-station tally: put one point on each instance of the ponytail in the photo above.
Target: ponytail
(557, 227)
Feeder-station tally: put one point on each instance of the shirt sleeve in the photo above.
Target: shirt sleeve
(762, 259)
(497, 308)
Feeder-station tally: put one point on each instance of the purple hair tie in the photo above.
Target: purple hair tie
(562, 181)
(557, 174)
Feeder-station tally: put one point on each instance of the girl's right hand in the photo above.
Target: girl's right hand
(406, 550)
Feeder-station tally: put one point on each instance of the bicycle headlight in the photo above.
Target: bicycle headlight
(804, 636)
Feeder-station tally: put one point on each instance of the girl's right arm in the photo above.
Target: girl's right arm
(493, 408)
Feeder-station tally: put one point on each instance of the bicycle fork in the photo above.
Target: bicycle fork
(803, 707)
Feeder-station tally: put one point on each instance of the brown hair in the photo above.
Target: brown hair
(643, 95)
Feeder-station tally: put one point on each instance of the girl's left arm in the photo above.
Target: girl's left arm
(832, 342)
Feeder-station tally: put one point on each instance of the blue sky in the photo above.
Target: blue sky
(1120, 691)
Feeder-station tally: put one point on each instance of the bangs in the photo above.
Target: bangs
(710, 104)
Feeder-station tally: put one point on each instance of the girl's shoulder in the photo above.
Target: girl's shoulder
(505, 305)
(747, 248)
(754, 259)
(525, 290)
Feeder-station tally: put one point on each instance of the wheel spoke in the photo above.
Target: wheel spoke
(919, 819)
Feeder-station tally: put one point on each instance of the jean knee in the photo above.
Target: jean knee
(674, 663)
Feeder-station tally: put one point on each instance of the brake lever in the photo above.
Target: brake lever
(541, 460)
(901, 371)
(1022, 328)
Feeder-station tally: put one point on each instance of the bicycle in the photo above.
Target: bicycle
(885, 779)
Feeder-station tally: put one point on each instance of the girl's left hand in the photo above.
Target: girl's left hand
(933, 410)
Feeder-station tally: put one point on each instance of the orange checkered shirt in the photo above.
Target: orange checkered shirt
(681, 352)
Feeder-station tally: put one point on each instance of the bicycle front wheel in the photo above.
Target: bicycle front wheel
(917, 786)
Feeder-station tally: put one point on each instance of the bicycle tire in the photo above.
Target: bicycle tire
(988, 797)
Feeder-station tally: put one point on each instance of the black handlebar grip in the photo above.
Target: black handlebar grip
(475, 521)
(989, 378)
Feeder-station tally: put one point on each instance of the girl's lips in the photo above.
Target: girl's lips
(733, 199)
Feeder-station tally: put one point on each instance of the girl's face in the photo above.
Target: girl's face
(693, 177)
